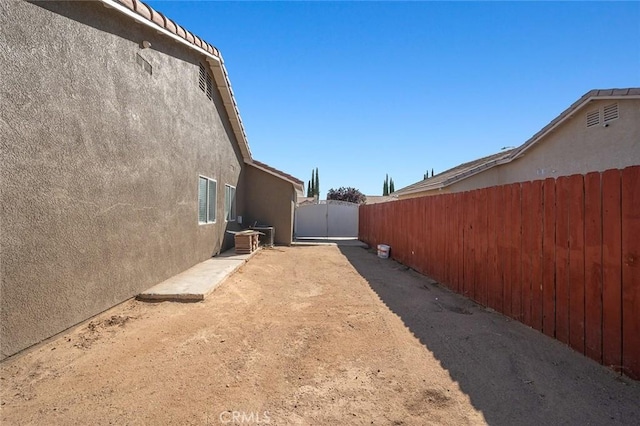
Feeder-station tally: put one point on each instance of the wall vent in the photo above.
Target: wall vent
(610, 112)
(144, 64)
(203, 78)
(209, 87)
(206, 82)
(593, 118)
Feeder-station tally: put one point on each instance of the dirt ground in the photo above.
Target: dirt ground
(311, 335)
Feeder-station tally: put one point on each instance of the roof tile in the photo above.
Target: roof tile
(143, 9)
(170, 25)
(157, 18)
(634, 91)
(180, 31)
(128, 3)
(190, 38)
(197, 41)
(620, 92)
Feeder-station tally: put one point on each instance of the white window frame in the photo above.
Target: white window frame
(230, 212)
(208, 211)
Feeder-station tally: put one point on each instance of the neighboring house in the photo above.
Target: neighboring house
(598, 132)
(123, 161)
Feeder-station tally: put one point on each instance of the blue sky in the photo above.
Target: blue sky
(362, 89)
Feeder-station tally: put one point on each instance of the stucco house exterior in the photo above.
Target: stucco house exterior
(123, 161)
(600, 131)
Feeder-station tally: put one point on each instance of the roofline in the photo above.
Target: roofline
(295, 184)
(458, 177)
(567, 114)
(519, 151)
(215, 61)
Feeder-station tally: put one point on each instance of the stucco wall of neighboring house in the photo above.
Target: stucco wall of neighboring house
(99, 165)
(572, 148)
(270, 200)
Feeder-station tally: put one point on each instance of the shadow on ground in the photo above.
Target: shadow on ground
(512, 373)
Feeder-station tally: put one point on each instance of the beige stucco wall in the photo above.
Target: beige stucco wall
(572, 148)
(99, 165)
(269, 200)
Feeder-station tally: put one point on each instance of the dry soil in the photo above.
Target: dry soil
(311, 335)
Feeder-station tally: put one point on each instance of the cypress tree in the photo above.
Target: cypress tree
(391, 186)
(431, 172)
(385, 186)
(317, 183)
(309, 189)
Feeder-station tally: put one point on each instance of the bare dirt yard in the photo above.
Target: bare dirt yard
(312, 335)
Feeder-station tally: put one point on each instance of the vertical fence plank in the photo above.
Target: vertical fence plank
(631, 271)
(537, 220)
(504, 245)
(492, 268)
(576, 262)
(500, 248)
(549, 259)
(454, 244)
(527, 250)
(612, 270)
(470, 242)
(481, 253)
(460, 240)
(562, 259)
(593, 265)
(515, 252)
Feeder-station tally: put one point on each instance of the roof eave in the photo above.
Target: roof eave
(295, 184)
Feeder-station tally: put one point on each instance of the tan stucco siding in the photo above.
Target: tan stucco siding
(572, 148)
(270, 200)
(99, 165)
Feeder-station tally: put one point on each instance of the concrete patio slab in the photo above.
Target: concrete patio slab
(329, 241)
(197, 282)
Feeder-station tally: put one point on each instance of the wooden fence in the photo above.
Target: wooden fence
(560, 255)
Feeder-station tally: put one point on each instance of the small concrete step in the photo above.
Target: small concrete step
(197, 282)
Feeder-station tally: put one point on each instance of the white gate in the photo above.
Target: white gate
(330, 218)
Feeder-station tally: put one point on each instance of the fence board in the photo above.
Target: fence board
(593, 266)
(466, 242)
(527, 250)
(537, 254)
(493, 289)
(612, 270)
(505, 258)
(501, 250)
(515, 252)
(460, 241)
(481, 253)
(562, 259)
(631, 271)
(549, 259)
(576, 262)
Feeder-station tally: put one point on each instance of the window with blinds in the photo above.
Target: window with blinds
(230, 203)
(207, 193)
